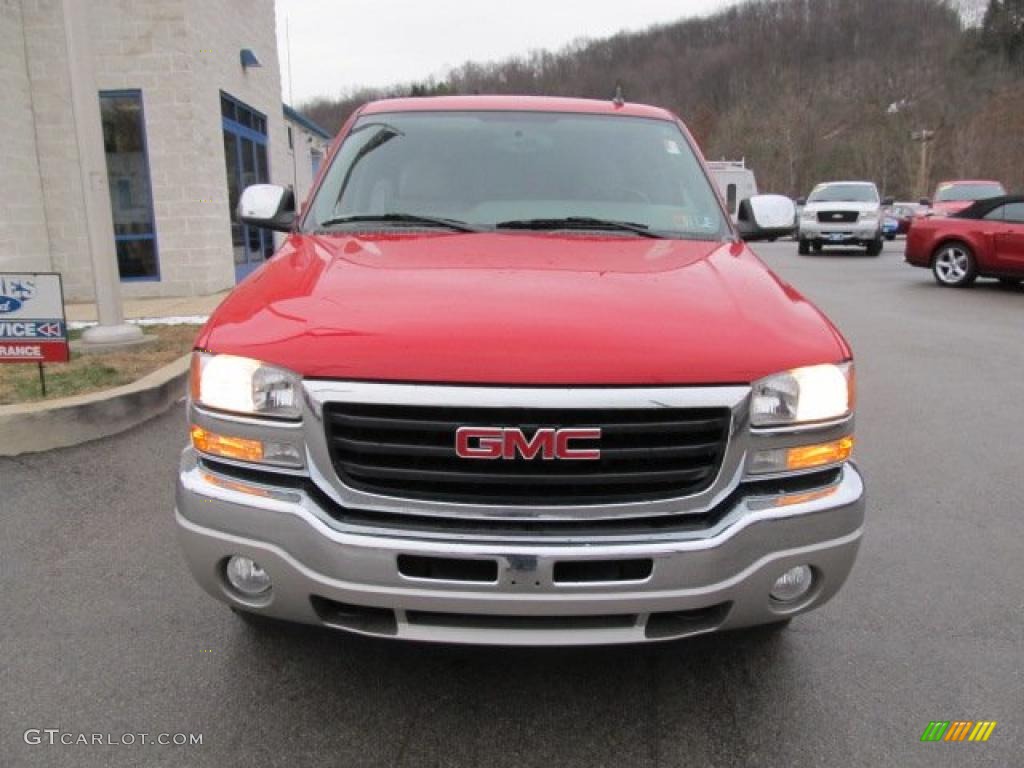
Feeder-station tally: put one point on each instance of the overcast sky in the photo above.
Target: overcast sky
(338, 45)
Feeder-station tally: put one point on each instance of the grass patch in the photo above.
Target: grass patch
(19, 382)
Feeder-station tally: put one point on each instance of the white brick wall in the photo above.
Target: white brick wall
(180, 54)
(223, 28)
(300, 161)
(23, 238)
(58, 154)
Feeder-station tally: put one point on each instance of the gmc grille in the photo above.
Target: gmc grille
(408, 451)
(837, 217)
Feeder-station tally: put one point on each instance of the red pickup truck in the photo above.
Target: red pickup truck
(514, 377)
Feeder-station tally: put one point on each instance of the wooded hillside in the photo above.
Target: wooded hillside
(806, 90)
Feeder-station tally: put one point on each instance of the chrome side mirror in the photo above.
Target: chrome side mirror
(267, 206)
(765, 217)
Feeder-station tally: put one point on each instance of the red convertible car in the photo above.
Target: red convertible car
(985, 240)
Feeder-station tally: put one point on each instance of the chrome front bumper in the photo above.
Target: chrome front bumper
(840, 232)
(333, 572)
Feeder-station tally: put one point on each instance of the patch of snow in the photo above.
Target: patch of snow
(77, 325)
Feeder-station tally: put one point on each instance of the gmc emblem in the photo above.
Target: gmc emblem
(509, 443)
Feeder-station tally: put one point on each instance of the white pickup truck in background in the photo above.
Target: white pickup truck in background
(845, 213)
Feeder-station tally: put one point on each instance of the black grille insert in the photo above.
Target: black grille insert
(519, 623)
(837, 217)
(409, 452)
(448, 569)
(596, 571)
(360, 618)
(681, 623)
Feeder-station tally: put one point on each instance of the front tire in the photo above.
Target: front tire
(954, 265)
(875, 247)
(804, 248)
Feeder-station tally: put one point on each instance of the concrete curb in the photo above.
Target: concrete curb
(42, 426)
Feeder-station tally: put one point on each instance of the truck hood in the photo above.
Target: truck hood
(521, 308)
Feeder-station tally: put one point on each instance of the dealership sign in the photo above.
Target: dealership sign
(32, 325)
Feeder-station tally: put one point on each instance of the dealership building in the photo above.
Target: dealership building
(189, 95)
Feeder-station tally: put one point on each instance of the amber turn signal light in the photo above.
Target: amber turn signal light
(228, 447)
(809, 456)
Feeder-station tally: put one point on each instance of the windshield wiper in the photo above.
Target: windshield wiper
(579, 222)
(405, 218)
(384, 134)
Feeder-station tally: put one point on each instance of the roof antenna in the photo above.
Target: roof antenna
(619, 99)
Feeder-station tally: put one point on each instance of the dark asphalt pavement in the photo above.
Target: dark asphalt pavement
(103, 631)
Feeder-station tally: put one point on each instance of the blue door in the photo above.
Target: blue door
(245, 157)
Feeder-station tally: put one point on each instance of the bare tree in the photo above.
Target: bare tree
(804, 89)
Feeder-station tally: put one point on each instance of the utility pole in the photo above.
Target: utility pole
(111, 331)
(924, 138)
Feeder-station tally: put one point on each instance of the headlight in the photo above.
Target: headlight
(803, 396)
(869, 216)
(245, 386)
(808, 215)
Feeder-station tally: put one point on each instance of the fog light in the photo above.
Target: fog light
(246, 576)
(793, 584)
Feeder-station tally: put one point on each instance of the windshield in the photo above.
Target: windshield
(948, 193)
(521, 170)
(844, 193)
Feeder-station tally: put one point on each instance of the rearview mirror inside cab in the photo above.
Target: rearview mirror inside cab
(267, 206)
(764, 217)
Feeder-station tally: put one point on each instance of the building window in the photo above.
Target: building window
(124, 192)
(291, 139)
(730, 194)
(227, 107)
(316, 157)
(245, 157)
(131, 196)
